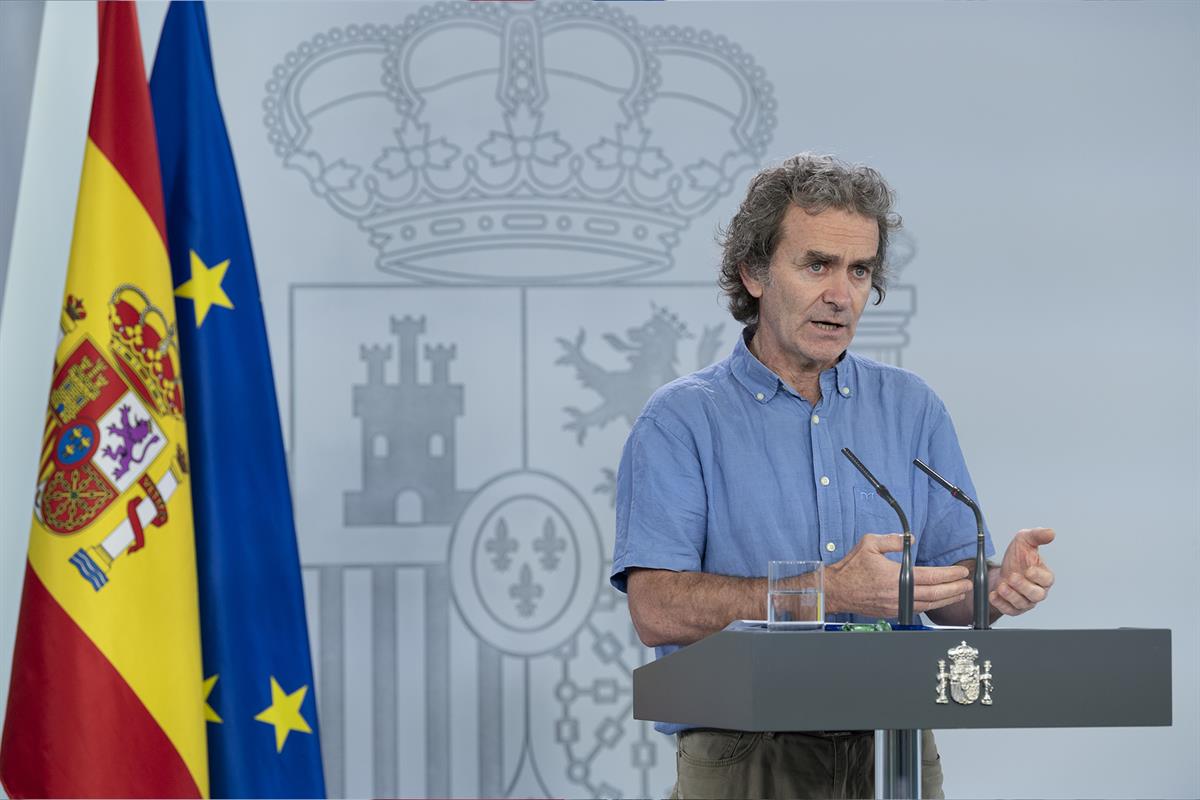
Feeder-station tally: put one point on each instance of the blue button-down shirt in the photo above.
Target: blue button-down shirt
(729, 468)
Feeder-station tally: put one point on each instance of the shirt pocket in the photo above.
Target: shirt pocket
(872, 514)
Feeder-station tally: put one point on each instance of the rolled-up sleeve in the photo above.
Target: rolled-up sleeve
(661, 502)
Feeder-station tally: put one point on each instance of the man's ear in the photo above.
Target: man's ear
(752, 284)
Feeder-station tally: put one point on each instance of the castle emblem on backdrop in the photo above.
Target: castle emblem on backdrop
(408, 441)
(584, 167)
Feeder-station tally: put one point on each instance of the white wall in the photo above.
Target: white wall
(1046, 163)
(20, 25)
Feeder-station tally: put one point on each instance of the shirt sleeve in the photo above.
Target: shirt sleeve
(950, 530)
(661, 502)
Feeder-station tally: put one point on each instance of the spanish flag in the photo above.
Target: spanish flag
(107, 696)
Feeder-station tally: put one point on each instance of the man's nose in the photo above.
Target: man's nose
(837, 290)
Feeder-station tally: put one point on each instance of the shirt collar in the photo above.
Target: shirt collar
(758, 379)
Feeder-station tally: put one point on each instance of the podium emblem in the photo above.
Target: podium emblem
(965, 678)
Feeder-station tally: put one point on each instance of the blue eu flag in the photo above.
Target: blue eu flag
(261, 705)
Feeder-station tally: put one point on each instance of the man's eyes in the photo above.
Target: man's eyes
(857, 271)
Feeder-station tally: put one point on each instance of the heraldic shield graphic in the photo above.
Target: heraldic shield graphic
(105, 433)
(967, 681)
(520, 178)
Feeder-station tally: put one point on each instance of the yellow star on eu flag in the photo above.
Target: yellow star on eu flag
(204, 288)
(284, 713)
(210, 714)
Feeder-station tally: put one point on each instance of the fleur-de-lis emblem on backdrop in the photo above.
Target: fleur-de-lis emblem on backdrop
(502, 546)
(629, 151)
(415, 152)
(525, 591)
(550, 545)
(524, 141)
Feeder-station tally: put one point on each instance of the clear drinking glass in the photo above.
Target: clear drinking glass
(795, 594)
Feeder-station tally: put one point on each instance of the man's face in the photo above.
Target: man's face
(817, 287)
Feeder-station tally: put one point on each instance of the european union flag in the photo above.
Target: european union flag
(262, 714)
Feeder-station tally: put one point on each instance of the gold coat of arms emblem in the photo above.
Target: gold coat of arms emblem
(965, 680)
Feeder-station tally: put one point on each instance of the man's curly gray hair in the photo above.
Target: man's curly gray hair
(811, 182)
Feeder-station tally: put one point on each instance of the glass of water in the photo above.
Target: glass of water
(795, 594)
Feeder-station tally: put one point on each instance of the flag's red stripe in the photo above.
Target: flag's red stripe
(122, 124)
(74, 727)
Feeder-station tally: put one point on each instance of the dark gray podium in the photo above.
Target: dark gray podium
(759, 680)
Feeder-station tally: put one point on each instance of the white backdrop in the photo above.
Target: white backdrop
(1046, 162)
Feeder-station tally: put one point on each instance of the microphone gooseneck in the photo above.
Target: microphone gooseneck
(980, 579)
(906, 570)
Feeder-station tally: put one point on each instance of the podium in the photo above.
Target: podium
(759, 680)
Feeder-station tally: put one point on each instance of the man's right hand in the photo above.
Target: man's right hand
(866, 581)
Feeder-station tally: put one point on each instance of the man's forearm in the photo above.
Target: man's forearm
(684, 607)
(963, 612)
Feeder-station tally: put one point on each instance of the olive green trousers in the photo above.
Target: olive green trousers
(735, 764)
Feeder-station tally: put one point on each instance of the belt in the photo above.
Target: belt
(827, 734)
(822, 734)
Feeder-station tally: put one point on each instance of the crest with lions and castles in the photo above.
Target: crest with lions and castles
(511, 188)
(114, 444)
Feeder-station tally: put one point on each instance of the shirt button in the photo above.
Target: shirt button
(759, 396)
(846, 391)
(816, 420)
(824, 480)
(830, 546)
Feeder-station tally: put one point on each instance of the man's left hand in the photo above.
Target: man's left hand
(1024, 577)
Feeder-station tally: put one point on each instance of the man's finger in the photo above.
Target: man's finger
(920, 607)
(1014, 598)
(1037, 536)
(1004, 607)
(940, 591)
(1027, 589)
(884, 542)
(930, 575)
(1041, 575)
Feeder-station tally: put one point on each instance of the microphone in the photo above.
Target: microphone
(906, 573)
(980, 586)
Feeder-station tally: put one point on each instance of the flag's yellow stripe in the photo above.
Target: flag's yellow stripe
(146, 619)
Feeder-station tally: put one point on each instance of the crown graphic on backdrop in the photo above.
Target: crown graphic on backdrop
(549, 142)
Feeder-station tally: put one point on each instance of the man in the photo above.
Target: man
(740, 463)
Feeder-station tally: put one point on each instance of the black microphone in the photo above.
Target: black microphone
(906, 573)
(980, 586)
